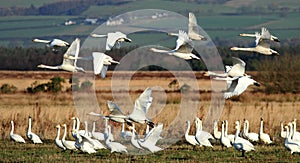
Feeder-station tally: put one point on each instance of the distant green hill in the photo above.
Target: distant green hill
(222, 21)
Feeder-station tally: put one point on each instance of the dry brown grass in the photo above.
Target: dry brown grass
(49, 110)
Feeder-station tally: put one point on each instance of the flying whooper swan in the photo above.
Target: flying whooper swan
(262, 46)
(53, 43)
(238, 86)
(113, 38)
(69, 60)
(141, 108)
(232, 72)
(183, 49)
(193, 31)
(32, 136)
(15, 137)
(264, 33)
(101, 62)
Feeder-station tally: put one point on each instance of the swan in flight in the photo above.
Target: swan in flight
(69, 144)
(101, 62)
(254, 137)
(238, 86)
(289, 143)
(262, 46)
(193, 31)
(265, 34)
(183, 49)
(263, 136)
(32, 136)
(115, 115)
(141, 108)
(58, 142)
(225, 141)
(232, 72)
(53, 43)
(202, 136)
(150, 140)
(114, 146)
(190, 138)
(241, 144)
(113, 38)
(15, 137)
(69, 60)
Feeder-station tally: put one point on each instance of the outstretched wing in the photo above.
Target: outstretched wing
(238, 68)
(238, 86)
(193, 26)
(112, 38)
(72, 52)
(98, 60)
(114, 108)
(183, 43)
(154, 134)
(265, 34)
(142, 104)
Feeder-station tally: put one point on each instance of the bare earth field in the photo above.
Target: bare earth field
(48, 109)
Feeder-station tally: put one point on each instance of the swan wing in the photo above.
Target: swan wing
(193, 30)
(72, 52)
(112, 38)
(154, 134)
(98, 60)
(265, 34)
(183, 43)
(114, 108)
(239, 86)
(264, 43)
(238, 68)
(142, 104)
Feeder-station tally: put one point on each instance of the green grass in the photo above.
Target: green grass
(27, 3)
(48, 152)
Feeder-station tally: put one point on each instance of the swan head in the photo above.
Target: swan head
(234, 48)
(57, 126)
(261, 119)
(274, 52)
(273, 38)
(73, 118)
(41, 66)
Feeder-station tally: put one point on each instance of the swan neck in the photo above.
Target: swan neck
(12, 128)
(77, 123)
(226, 129)
(261, 126)
(188, 129)
(94, 127)
(222, 130)
(237, 131)
(29, 125)
(65, 133)
(58, 133)
(74, 124)
(86, 127)
(123, 127)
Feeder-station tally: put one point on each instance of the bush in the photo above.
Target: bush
(55, 85)
(6, 88)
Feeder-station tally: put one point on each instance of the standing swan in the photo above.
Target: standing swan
(58, 142)
(282, 132)
(15, 137)
(289, 143)
(190, 138)
(217, 134)
(254, 137)
(241, 144)
(225, 141)
(70, 145)
(263, 136)
(32, 136)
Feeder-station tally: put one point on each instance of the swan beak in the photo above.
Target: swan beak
(257, 84)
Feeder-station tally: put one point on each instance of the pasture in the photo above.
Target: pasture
(48, 110)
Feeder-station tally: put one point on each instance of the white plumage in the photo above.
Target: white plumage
(190, 138)
(225, 141)
(241, 144)
(58, 142)
(32, 136)
(265, 138)
(15, 137)
(113, 38)
(254, 137)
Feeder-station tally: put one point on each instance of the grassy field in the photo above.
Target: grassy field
(18, 30)
(48, 110)
(48, 152)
